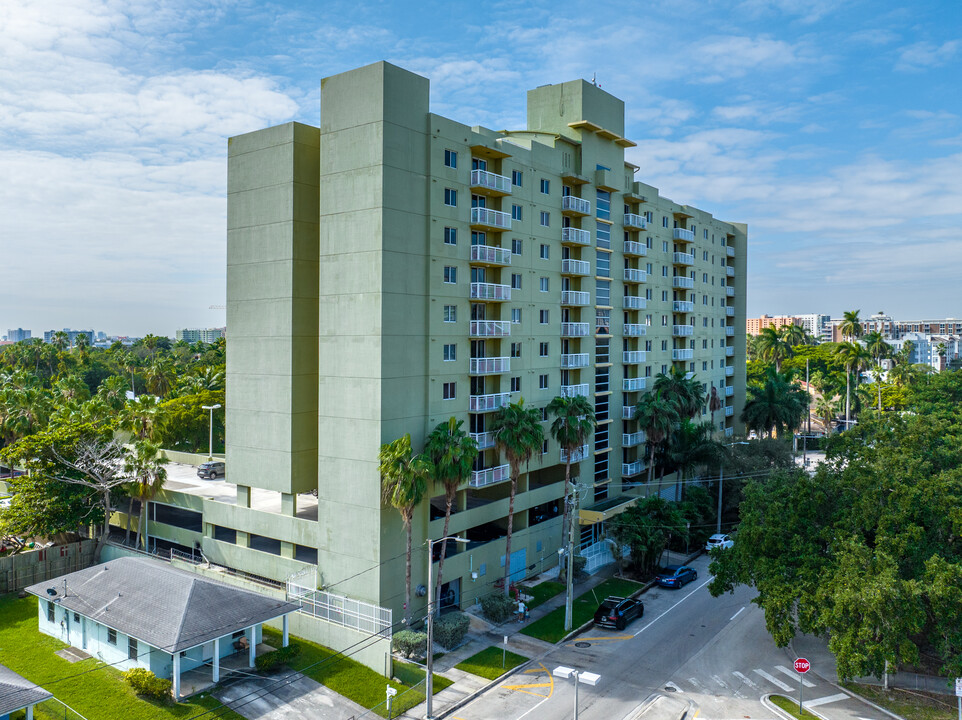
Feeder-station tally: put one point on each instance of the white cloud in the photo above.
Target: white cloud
(921, 55)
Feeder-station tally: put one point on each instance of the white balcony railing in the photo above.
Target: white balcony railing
(490, 328)
(682, 354)
(634, 330)
(628, 412)
(729, 331)
(575, 236)
(490, 218)
(729, 411)
(488, 403)
(680, 258)
(635, 248)
(730, 271)
(635, 275)
(570, 203)
(490, 255)
(683, 235)
(489, 366)
(680, 281)
(634, 302)
(729, 391)
(574, 329)
(632, 439)
(631, 469)
(575, 360)
(633, 384)
(577, 456)
(729, 352)
(730, 311)
(484, 440)
(491, 181)
(729, 371)
(638, 222)
(682, 330)
(682, 306)
(570, 391)
(490, 476)
(633, 357)
(729, 432)
(490, 291)
(730, 291)
(730, 251)
(575, 267)
(575, 297)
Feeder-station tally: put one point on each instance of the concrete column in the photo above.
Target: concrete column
(176, 677)
(252, 651)
(243, 496)
(289, 504)
(216, 675)
(30, 713)
(286, 631)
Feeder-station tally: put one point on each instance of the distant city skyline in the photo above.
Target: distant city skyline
(834, 129)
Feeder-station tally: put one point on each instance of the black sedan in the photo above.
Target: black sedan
(674, 576)
(617, 612)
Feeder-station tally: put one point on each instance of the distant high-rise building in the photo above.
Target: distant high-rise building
(207, 335)
(18, 335)
(754, 326)
(71, 334)
(817, 325)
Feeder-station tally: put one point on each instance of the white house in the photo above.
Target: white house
(18, 693)
(138, 612)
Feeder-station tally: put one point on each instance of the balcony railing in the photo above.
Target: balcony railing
(637, 222)
(490, 476)
(490, 218)
(490, 328)
(575, 360)
(730, 251)
(634, 330)
(490, 181)
(575, 297)
(730, 311)
(631, 469)
(729, 411)
(484, 440)
(730, 291)
(488, 403)
(729, 331)
(683, 235)
(682, 330)
(729, 432)
(682, 306)
(635, 275)
(634, 302)
(489, 366)
(729, 352)
(680, 258)
(682, 354)
(628, 412)
(489, 255)
(635, 248)
(574, 329)
(575, 267)
(577, 456)
(570, 391)
(490, 291)
(729, 391)
(575, 205)
(729, 371)
(680, 281)
(730, 271)
(633, 357)
(575, 236)
(633, 384)
(632, 439)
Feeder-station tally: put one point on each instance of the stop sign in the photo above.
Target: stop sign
(802, 665)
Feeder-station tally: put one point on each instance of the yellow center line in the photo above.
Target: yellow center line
(527, 685)
(605, 637)
(523, 687)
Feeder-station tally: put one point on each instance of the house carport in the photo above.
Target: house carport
(18, 693)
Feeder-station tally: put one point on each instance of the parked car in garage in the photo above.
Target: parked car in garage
(212, 470)
(675, 576)
(719, 540)
(617, 612)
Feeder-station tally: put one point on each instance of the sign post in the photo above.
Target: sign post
(802, 666)
(390, 692)
(958, 694)
(504, 651)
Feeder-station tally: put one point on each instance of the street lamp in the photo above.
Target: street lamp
(580, 676)
(210, 448)
(721, 482)
(429, 679)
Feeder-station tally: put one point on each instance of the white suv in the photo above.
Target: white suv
(719, 541)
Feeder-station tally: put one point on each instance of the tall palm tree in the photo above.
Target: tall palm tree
(772, 347)
(146, 468)
(82, 343)
(60, 340)
(685, 393)
(855, 358)
(793, 335)
(160, 375)
(775, 405)
(518, 434)
(692, 446)
(574, 421)
(826, 410)
(452, 453)
(141, 416)
(403, 485)
(714, 404)
(657, 415)
(851, 325)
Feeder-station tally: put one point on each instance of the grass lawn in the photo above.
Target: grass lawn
(916, 705)
(551, 627)
(543, 592)
(487, 663)
(93, 689)
(791, 706)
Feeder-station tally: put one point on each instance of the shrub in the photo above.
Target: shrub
(498, 608)
(450, 629)
(144, 682)
(410, 643)
(282, 656)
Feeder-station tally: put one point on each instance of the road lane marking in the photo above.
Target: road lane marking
(745, 679)
(672, 608)
(698, 686)
(603, 637)
(773, 680)
(825, 700)
(544, 698)
(534, 671)
(737, 614)
(793, 675)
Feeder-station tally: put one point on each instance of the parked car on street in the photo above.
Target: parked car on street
(675, 576)
(617, 612)
(719, 540)
(212, 470)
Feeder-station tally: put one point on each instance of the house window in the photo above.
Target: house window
(545, 252)
(449, 390)
(515, 281)
(450, 159)
(450, 236)
(544, 414)
(543, 381)
(51, 612)
(450, 352)
(450, 274)
(544, 448)
(450, 197)
(543, 350)
(545, 219)
(515, 316)
(515, 350)
(76, 617)
(543, 317)
(111, 636)
(664, 221)
(664, 246)
(131, 648)
(545, 186)
(515, 384)
(544, 284)
(515, 247)
(515, 212)
(516, 177)
(450, 313)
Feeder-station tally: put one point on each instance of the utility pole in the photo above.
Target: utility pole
(808, 389)
(569, 598)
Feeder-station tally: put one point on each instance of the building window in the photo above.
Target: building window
(543, 350)
(544, 414)
(450, 197)
(544, 448)
(515, 212)
(545, 219)
(704, 277)
(515, 316)
(515, 281)
(664, 221)
(544, 284)
(450, 274)
(450, 352)
(515, 350)
(515, 247)
(515, 384)
(450, 313)
(450, 159)
(516, 177)
(450, 236)
(704, 365)
(543, 382)
(664, 295)
(704, 256)
(543, 317)
(545, 186)
(111, 636)
(51, 612)
(545, 252)
(603, 206)
(131, 648)
(449, 390)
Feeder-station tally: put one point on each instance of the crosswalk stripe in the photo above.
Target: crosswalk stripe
(793, 675)
(824, 700)
(773, 680)
(698, 685)
(745, 679)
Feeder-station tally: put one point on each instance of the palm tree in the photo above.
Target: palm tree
(140, 416)
(875, 344)
(403, 485)
(518, 433)
(775, 405)
(826, 410)
(160, 374)
(692, 446)
(855, 358)
(147, 469)
(60, 340)
(685, 393)
(573, 424)
(657, 415)
(772, 347)
(452, 453)
(82, 343)
(714, 404)
(851, 326)
(793, 335)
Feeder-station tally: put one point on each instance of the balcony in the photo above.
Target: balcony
(682, 282)
(730, 271)
(682, 354)
(634, 330)
(729, 331)
(730, 311)
(489, 255)
(683, 235)
(729, 391)
(577, 456)
(633, 384)
(483, 440)
(730, 251)
(489, 183)
(571, 205)
(575, 297)
(574, 329)
(575, 267)
(570, 391)
(574, 236)
(729, 432)
(633, 357)
(634, 302)
(682, 306)
(489, 366)
(490, 291)
(633, 439)
(729, 371)
(490, 476)
(490, 328)
(628, 412)
(729, 411)
(729, 352)
(635, 248)
(730, 291)
(631, 469)
(682, 330)
(680, 258)
(575, 360)
(488, 403)
(484, 219)
(635, 275)
(635, 222)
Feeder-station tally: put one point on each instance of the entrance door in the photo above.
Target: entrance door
(518, 564)
(451, 594)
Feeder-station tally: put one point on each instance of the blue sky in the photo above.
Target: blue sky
(832, 127)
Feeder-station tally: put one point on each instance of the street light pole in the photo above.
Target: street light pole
(210, 447)
(429, 678)
(569, 595)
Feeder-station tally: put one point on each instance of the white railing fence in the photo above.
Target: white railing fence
(338, 609)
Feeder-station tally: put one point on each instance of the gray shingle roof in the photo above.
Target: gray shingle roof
(160, 605)
(17, 692)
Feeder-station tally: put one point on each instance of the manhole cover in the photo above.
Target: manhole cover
(582, 644)
(669, 688)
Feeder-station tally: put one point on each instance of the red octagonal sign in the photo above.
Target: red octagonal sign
(802, 665)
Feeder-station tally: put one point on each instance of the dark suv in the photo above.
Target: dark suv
(212, 470)
(618, 612)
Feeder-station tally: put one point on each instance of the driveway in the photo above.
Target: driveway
(286, 696)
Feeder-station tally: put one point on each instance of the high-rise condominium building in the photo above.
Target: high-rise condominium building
(18, 334)
(394, 268)
(207, 335)
(754, 326)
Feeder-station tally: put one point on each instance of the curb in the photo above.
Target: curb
(766, 701)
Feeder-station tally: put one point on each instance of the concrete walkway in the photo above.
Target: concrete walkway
(286, 696)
